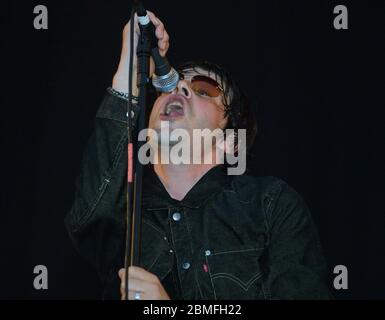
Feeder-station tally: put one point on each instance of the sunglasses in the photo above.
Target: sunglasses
(203, 86)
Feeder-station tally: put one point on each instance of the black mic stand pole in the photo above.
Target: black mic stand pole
(143, 73)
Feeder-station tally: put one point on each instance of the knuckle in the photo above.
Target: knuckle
(155, 279)
(156, 290)
(162, 46)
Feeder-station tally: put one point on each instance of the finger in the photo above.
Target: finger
(136, 285)
(162, 43)
(163, 47)
(166, 36)
(122, 274)
(139, 274)
(159, 26)
(142, 274)
(132, 295)
(159, 31)
(164, 51)
(153, 18)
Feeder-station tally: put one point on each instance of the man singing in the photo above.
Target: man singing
(206, 234)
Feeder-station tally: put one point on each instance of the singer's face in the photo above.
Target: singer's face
(190, 106)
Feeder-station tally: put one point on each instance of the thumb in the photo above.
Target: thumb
(121, 274)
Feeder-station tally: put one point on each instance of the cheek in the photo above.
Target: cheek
(152, 119)
(155, 109)
(222, 121)
(158, 102)
(212, 116)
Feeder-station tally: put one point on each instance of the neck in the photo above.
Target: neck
(179, 179)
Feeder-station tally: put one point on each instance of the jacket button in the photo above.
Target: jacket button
(176, 216)
(132, 114)
(186, 265)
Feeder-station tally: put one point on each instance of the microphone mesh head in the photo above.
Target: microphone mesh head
(166, 83)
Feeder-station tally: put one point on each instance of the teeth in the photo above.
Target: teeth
(173, 105)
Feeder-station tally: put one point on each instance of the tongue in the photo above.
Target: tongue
(176, 112)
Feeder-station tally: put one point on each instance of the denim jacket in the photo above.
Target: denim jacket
(231, 237)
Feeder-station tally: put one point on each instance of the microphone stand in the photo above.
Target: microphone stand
(135, 168)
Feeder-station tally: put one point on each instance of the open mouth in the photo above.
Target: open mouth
(172, 109)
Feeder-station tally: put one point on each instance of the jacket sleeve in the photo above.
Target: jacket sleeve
(95, 221)
(297, 269)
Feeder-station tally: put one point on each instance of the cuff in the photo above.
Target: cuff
(115, 108)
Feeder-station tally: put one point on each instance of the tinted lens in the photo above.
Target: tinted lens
(205, 86)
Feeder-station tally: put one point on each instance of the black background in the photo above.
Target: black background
(320, 96)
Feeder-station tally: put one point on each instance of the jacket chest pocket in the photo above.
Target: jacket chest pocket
(236, 274)
(155, 251)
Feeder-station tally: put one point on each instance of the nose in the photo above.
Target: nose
(183, 88)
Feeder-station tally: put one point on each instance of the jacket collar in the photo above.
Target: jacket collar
(155, 195)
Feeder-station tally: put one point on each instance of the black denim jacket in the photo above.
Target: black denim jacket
(231, 237)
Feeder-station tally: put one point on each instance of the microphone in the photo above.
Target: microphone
(165, 78)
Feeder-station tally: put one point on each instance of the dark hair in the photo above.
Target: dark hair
(237, 105)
